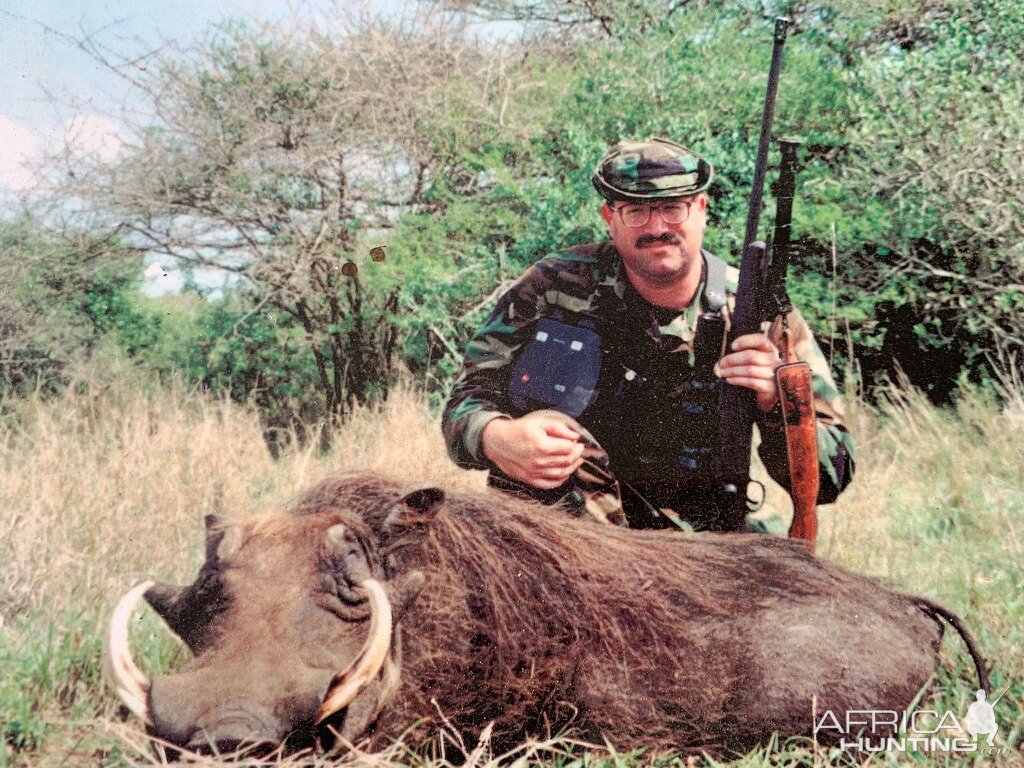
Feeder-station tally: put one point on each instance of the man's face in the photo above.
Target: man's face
(658, 253)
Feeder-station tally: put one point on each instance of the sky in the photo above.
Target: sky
(54, 95)
(50, 91)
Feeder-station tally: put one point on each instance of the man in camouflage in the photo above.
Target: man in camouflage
(637, 442)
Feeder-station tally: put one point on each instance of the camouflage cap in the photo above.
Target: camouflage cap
(636, 171)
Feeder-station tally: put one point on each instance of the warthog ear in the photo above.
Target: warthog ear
(214, 530)
(189, 611)
(424, 501)
(406, 521)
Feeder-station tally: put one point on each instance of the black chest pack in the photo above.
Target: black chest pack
(559, 367)
(651, 410)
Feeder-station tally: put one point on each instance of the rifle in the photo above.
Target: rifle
(763, 276)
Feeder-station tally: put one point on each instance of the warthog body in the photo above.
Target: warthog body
(509, 612)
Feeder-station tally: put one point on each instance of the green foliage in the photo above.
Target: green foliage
(698, 78)
(908, 273)
(937, 151)
(62, 291)
(276, 158)
(277, 161)
(229, 345)
(447, 263)
(259, 357)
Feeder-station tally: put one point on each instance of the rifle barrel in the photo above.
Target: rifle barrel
(767, 115)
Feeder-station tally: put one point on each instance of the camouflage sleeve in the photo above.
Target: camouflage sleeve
(480, 393)
(835, 444)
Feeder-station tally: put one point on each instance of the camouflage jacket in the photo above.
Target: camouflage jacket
(590, 281)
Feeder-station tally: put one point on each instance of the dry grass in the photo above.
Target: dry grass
(938, 510)
(109, 486)
(112, 483)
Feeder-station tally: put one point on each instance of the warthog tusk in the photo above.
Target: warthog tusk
(127, 680)
(371, 657)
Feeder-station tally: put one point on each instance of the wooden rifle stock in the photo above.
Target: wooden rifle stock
(763, 277)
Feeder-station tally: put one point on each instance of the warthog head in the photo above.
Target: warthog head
(292, 623)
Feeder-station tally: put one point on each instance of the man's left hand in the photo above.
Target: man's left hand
(751, 364)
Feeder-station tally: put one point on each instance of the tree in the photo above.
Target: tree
(938, 147)
(62, 290)
(284, 158)
(894, 102)
(579, 19)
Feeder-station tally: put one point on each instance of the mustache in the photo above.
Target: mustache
(664, 237)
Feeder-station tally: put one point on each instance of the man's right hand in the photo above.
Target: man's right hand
(535, 449)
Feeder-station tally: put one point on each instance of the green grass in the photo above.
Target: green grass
(109, 485)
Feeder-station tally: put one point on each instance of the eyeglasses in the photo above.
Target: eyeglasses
(638, 215)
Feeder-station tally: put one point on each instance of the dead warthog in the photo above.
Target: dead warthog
(363, 612)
